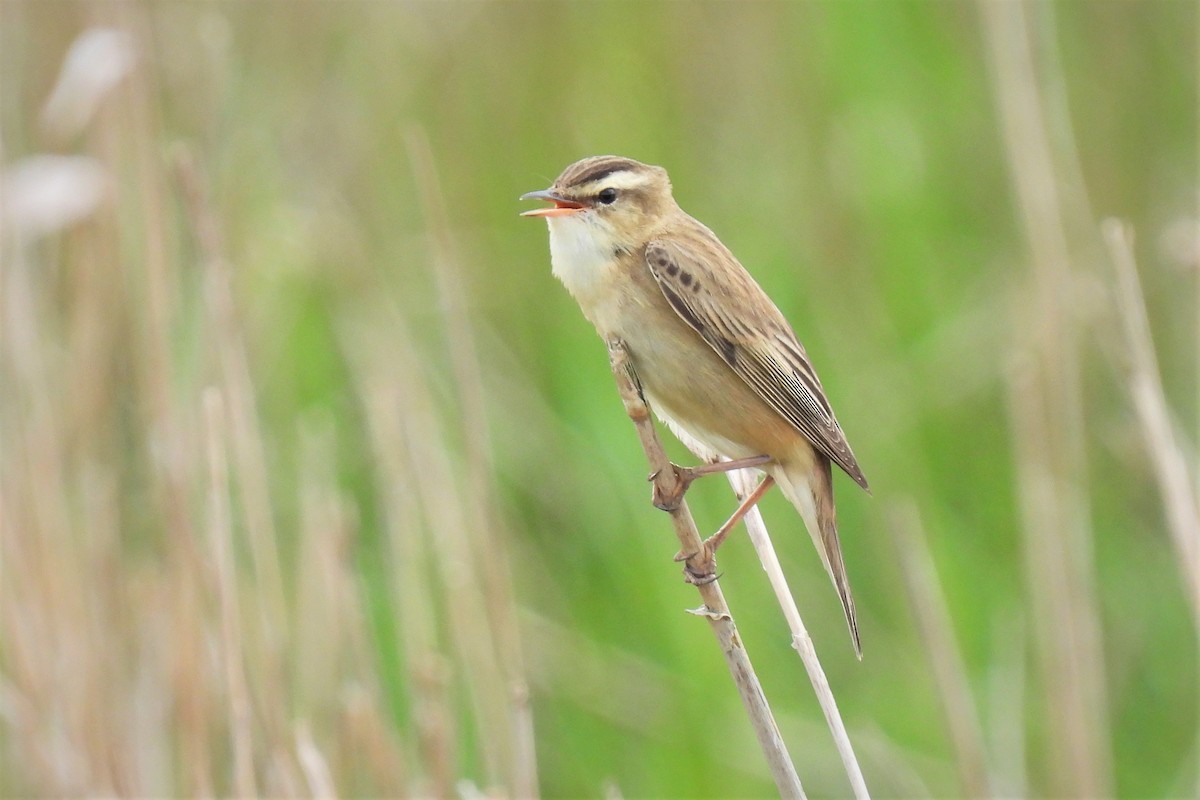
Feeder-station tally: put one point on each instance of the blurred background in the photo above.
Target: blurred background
(315, 482)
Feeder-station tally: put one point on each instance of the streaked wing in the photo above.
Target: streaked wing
(767, 356)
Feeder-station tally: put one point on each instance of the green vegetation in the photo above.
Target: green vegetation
(310, 467)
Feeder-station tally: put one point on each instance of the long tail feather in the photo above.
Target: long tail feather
(809, 487)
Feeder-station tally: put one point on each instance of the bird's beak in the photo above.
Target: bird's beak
(562, 206)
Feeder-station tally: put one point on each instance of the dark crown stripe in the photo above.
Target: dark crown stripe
(593, 169)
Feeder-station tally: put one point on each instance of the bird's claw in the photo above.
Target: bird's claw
(704, 571)
(698, 577)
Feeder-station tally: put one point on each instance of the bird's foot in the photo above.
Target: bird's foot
(705, 569)
(669, 490)
(668, 494)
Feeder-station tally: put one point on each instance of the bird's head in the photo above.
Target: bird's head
(619, 196)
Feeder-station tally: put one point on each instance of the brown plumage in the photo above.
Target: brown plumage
(719, 363)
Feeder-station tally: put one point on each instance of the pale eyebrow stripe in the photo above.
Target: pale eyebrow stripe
(622, 179)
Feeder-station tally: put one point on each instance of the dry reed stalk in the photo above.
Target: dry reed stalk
(125, 139)
(363, 731)
(104, 334)
(316, 769)
(743, 482)
(61, 663)
(1047, 421)
(130, 138)
(225, 569)
(224, 326)
(281, 776)
(109, 677)
(318, 625)
(1006, 704)
(715, 609)
(485, 532)
(31, 477)
(1176, 479)
(431, 519)
(328, 650)
(343, 692)
(316, 663)
(412, 590)
(445, 508)
(937, 633)
(103, 323)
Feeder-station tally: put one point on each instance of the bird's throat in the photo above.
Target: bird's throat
(583, 254)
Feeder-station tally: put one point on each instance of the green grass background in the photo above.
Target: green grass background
(851, 154)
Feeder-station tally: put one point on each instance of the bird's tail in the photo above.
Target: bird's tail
(808, 484)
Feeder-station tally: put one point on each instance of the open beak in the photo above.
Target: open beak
(562, 206)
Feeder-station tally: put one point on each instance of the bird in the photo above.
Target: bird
(717, 361)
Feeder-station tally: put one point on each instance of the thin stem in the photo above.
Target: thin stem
(742, 481)
(715, 609)
(945, 655)
(1164, 446)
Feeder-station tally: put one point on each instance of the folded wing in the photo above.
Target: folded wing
(767, 355)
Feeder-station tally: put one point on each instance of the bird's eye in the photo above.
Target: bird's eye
(608, 196)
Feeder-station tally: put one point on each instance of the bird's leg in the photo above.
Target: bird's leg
(706, 573)
(714, 541)
(667, 498)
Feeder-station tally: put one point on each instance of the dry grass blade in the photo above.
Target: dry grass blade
(316, 770)
(442, 535)
(446, 510)
(247, 441)
(413, 589)
(1176, 480)
(485, 532)
(937, 632)
(1006, 707)
(715, 609)
(743, 484)
(221, 541)
(1047, 422)
(1065, 618)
